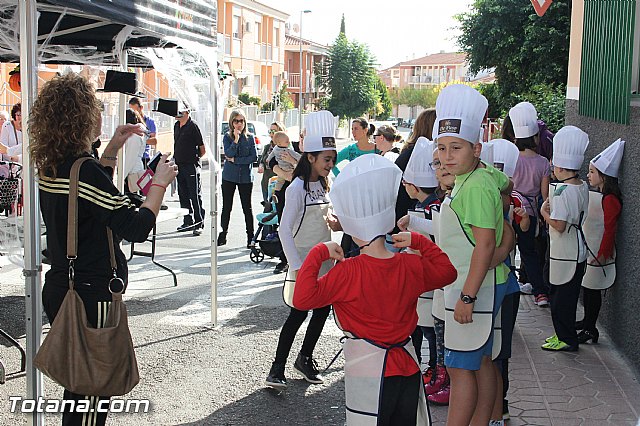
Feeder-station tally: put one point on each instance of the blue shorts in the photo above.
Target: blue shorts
(471, 360)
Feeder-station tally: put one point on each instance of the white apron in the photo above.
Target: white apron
(438, 294)
(456, 244)
(425, 300)
(363, 379)
(597, 277)
(313, 229)
(564, 249)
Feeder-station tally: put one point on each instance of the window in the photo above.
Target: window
(607, 60)
(257, 28)
(256, 85)
(276, 37)
(235, 32)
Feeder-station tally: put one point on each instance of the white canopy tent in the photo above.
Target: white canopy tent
(96, 32)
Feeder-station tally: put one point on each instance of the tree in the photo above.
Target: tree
(349, 78)
(525, 49)
(383, 108)
(342, 26)
(285, 102)
(247, 99)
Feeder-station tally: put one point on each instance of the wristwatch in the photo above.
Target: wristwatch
(466, 299)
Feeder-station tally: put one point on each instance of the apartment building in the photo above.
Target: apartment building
(251, 39)
(313, 56)
(429, 70)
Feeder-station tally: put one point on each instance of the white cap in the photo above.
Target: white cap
(569, 145)
(364, 196)
(524, 118)
(434, 132)
(419, 171)
(321, 132)
(486, 154)
(608, 161)
(460, 110)
(505, 156)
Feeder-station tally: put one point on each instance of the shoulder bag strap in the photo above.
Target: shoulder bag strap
(72, 221)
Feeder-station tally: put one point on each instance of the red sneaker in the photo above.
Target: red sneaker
(441, 397)
(428, 376)
(542, 300)
(441, 380)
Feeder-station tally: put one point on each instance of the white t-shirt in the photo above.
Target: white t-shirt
(569, 202)
(8, 139)
(134, 150)
(294, 207)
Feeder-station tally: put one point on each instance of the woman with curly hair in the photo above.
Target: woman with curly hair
(56, 142)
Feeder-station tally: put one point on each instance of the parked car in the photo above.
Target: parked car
(258, 129)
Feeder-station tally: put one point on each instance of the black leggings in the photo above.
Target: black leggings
(592, 302)
(96, 303)
(228, 190)
(399, 402)
(564, 301)
(291, 327)
(417, 338)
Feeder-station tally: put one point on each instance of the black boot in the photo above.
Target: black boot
(276, 377)
(308, 367)
(222, 238)
(585, 335)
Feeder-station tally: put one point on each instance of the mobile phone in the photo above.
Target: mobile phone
(154, 162)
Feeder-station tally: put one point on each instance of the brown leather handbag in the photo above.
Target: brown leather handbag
(82, 359)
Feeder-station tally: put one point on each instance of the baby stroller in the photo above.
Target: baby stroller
(269, 244)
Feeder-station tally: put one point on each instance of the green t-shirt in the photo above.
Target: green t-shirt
(350, 153)
(501, 179)
(477, 202)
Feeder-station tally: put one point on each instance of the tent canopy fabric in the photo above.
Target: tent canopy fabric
(95, 31)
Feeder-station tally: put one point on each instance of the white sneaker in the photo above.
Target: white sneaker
(526, 288)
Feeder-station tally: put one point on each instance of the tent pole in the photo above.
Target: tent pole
(122, 108)
(31, 205)
(213, 176)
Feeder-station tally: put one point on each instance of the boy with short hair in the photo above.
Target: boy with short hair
(565, 211)
(471, 226)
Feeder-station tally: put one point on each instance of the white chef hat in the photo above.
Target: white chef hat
(364, 196)
(505, 153)
(524, 118)
(434, 131)
(608, 161)
(419, 171)
(486, 154)
(321, 131)
(460, 110)
(569, 145)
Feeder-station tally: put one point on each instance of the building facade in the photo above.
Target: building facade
(313, 57)
(603, 100)
(251, 39)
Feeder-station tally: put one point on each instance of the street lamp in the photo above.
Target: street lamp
(300, 101)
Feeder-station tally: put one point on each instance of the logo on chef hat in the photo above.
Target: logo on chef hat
(328, 142)
(450, 126)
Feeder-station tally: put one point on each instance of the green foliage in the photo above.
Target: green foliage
(342, 26)
(412, 97)
(526, 50)
(383, 108)
(497, 106)
(267, 107)
(247, 99)
(349, 78)
(550, 102)
(286, 103)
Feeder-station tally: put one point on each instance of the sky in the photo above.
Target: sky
(395, 30)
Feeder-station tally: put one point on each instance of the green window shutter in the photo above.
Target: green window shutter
(607, 55)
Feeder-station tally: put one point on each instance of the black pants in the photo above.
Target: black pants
(399, 402)
(228, 191)
(564, 302)
(530, 257)
(417, 338)
(291, 327)
(96, 303)
(190, 193)
(509, 313)
(592, 303)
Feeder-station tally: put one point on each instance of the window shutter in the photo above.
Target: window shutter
(607, 54)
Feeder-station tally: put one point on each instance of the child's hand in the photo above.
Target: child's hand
(463, 313)
(401, 239)
(335, 251)
(520, 212)
(334, 223)
(403, 222)
(260, 168)
(546, 208)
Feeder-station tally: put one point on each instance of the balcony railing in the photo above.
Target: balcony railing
(294, 80)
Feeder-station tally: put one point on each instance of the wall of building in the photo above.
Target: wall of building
(619, 313)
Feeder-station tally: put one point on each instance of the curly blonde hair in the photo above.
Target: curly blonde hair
(63, 122)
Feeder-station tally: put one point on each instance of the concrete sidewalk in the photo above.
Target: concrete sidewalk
(195, 374)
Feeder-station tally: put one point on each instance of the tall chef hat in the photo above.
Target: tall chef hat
(364, 196)
(486, 154)
(460, 110)
(569, 145)
(505, 153)
(321, 132)
(434, 132)
(524, 118)
(608, 161)
(419, 171)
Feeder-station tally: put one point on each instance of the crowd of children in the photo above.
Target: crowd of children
(449, 275)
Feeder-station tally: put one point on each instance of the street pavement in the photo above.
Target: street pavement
(195, 373)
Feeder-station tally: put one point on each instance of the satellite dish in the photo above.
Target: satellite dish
(296, 28)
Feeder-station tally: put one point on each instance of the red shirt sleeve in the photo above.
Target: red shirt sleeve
(436, 266)
(612, 207)
(516, 203)
(312, 291)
